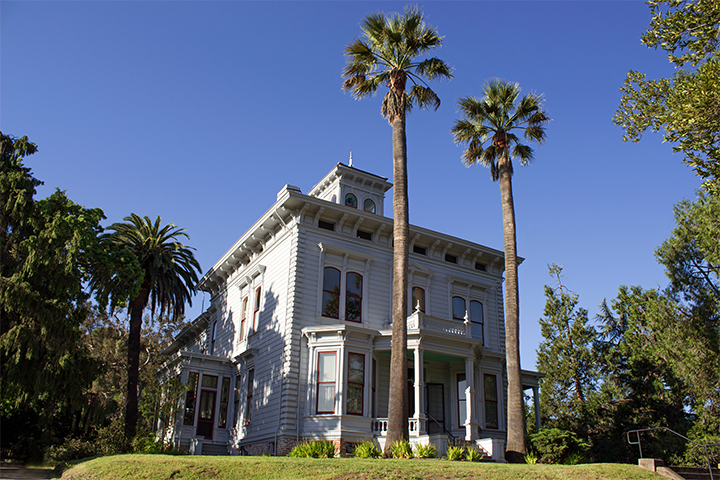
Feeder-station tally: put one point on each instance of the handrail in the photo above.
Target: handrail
(637, 435)
(442, 425)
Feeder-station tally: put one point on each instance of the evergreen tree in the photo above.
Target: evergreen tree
(567, 360)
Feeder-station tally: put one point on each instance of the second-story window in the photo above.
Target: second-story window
(350, 296)
(353, 297)
(243, 319)
(331, 293)
(476, 320)
(256, 311)
(458, 308)
(418, 299)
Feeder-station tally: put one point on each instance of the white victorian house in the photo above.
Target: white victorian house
(296, 342)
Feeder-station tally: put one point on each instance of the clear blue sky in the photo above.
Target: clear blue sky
(200, 112)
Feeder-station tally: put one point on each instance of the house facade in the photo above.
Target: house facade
(296, 342)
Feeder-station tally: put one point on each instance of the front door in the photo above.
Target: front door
(207, 414)
(435, 408)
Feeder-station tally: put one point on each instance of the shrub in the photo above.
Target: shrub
(553, 445)
(71, 449)
(531, 458)
(575, 458)
(367, 450)
(474, 455)
(313, 449)
(401, 449)
(425, 451)
(455, 453)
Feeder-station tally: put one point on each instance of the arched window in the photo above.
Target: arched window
(351, 200)
(458, 308)
(243, 319)
(353, 297)
(418, 299)
(331, 293)
(476, 320)
(256, 312)
(334, 199)
(369, 206)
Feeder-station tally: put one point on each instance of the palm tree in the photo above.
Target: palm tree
(168, 280)
(488, 130)
(387, 56)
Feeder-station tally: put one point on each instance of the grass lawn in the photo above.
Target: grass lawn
(156, 467)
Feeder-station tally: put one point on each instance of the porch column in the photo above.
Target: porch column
(536, 404)
(419, 382)
(471, 423)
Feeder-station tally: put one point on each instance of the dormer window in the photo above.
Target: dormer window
(369, 206)
(351, 200)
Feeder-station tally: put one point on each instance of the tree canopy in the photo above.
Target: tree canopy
(686, 106)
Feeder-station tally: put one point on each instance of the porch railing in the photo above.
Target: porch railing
(436, 324)
(415, 426)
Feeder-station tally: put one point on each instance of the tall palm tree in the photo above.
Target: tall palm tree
(387, 56)
(170, 274)
(488, 128)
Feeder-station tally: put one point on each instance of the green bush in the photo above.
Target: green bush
(401, 449)
(531, 458)
(367, 450)
(455, 453)
(425, 451)
(552, 445)
(474, 455)
(313, 449)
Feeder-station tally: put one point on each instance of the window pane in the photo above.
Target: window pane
(356, 368)
(190, 399)
(462, 404)
(369, 206)
(458, 306)
(326, 367)
(353, 297)
(209, 381)
(331, 305)
(350, 200)
(354, 400)
(476, 317)
(326, 397)
(354, 284)
(331, 282)
(207, 405)
(490, 388)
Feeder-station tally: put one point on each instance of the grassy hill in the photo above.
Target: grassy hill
(155, 467)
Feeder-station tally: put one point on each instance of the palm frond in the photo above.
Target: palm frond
(497, 115)
(424, 97)
(433, 68)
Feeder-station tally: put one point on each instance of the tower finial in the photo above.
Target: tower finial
(350, 161)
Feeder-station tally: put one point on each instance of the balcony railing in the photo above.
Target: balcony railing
(453, 327)
(416, 426)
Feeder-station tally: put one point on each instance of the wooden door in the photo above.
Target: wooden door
(206, 417)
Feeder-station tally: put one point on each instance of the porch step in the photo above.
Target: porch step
(696, 473)
(458, 442)
(216, 449)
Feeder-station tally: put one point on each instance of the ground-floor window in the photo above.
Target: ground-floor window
(326, 382)
(190, 396)
(250, 391)
(356, 380)
(462, 400)
(224, 399)
(491, 401)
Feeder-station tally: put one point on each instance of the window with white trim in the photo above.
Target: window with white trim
(491, 401)
(243, 318)
(355, 384)
(256, 311)
(351, 296)
(476, 320)
(326, 383)
(418, 299)
(458, 308)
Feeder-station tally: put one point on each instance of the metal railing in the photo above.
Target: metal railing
(442, 425)
(704, 446)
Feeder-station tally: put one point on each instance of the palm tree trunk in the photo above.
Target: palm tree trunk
(137, 306)
(398, 403)
(515, 411)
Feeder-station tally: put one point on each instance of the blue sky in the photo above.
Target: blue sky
(200, 112)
